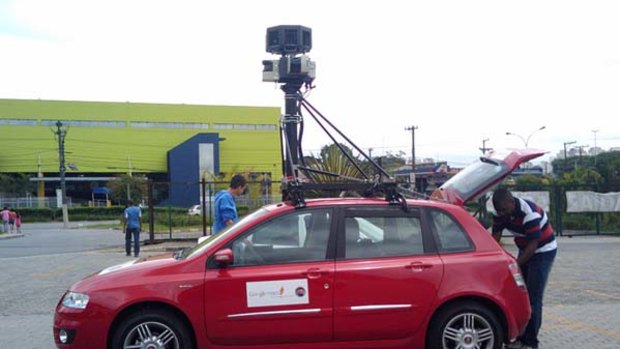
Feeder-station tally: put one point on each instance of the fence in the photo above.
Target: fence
(573, 210)
(31, 202)
(167, 221)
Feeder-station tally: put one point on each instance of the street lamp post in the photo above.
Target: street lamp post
(595, 148)
(526, 141)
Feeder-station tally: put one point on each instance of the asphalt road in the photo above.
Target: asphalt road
(52, 238)
(582, 306)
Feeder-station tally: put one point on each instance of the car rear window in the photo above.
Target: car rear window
(449, 234)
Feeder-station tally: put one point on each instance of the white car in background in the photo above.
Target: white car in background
(195, 210)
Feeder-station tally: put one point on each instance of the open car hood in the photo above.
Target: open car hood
(477, 178)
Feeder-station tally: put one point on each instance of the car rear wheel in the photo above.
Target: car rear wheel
(152, 329)
(465, 325)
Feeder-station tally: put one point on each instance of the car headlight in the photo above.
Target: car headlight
(75, 300)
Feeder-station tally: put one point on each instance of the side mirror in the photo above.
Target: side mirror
(224, 257)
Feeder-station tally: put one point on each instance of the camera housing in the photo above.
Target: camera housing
(289, 68)
(289, 40)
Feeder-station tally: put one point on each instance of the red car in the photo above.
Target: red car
(337, 273)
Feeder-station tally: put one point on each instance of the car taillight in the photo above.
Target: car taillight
(516, 274)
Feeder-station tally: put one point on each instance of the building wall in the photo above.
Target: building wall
(107, 137)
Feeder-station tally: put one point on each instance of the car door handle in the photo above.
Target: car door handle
(418, 266)
(314, 273)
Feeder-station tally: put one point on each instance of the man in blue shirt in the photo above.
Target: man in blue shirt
(132, 224)
(225, 207)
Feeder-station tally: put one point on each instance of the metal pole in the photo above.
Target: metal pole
(203, 207)
(149, 191)
(61, 133)
(565, 159)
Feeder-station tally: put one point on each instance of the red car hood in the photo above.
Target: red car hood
(477, 178)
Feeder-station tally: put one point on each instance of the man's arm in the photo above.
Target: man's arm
(497, 236)
(527, 252)
(497, 229)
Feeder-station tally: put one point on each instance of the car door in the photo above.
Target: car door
(279, 289)
(387, 274)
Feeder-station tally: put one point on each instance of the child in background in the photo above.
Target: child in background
(18, 222)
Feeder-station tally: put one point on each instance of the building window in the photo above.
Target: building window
(16, 122)
(190, 125)
(86, 123)
(266, 127)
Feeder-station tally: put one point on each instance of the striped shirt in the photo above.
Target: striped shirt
(529, 222)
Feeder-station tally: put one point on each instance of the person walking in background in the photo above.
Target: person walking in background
(225, 210)
(5, 219)
(18, 222)
(12, 215)
(132, 225)
(535, 239)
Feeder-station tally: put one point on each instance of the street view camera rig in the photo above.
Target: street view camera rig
(294, 70)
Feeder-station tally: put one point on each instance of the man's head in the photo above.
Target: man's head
(503, 202)
(129, 202)
(237, 185)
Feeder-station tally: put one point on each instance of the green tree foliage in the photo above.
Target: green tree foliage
(333, 160)
(573, 169)
(17, 184)
(581, 176)
(125, 186)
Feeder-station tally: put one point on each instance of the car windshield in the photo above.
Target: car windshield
(198, 248)
(476, 176)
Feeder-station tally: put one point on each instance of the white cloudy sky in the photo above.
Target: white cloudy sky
(462, 71)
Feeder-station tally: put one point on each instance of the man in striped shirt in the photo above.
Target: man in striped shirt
(535, 239)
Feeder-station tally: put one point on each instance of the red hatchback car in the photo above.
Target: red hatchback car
(337, 273)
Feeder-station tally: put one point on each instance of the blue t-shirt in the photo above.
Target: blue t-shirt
(225, 209)
(132, 215)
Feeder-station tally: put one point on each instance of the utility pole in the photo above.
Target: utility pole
(412, 129)
(412, 176)
(484, 147)
(565, 160)
(61, 133)
(581, 153)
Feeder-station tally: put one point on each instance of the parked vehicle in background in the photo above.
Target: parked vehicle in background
(337, 273)
(195, 210)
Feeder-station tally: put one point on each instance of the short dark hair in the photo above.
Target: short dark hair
(237, 181)
(129, 202)
(501, 195)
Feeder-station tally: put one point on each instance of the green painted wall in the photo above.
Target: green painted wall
(115, 150)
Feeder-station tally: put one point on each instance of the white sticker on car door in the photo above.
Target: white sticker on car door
(281, 292)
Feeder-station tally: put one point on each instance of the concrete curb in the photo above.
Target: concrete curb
(11, 236)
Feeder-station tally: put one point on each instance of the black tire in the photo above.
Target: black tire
(466, 324)
(159, 328)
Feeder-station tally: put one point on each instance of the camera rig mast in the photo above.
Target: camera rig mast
(295, 70)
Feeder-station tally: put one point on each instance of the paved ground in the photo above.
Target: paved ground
(582, 308)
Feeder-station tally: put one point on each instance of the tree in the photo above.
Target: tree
(17, 184)
(333, 160)
(126, 186)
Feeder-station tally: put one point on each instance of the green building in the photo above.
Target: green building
(104, 139)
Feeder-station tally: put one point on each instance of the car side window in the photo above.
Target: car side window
(371, 237)
(450, 235)
(300, 236)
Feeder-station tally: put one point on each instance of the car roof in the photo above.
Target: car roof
(357, 201)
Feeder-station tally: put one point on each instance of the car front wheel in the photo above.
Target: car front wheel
(153, 329)
(465, 325)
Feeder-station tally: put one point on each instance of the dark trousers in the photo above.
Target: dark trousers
(536, 272)
(135, 232)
